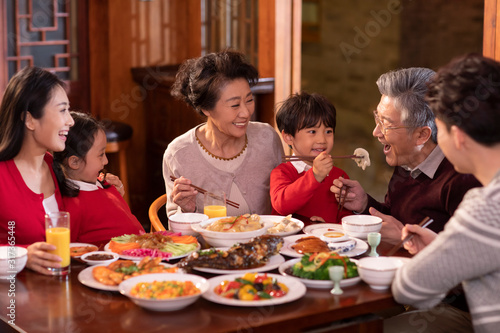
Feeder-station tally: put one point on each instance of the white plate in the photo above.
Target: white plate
(319, 229)
(361, 247)
(276, 218)
(274, 262)
(320, 284)
(87, 279)
(296, 290)
(81, 244)
(123, 256)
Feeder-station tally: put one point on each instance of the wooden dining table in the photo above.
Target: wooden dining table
(38, 303)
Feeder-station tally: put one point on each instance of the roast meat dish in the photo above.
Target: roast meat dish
(241, 256)
(310, 244)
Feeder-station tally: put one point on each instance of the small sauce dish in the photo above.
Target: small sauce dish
(100, 257)
(334, 236)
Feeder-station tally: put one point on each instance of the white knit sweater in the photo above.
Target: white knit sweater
(467, 252)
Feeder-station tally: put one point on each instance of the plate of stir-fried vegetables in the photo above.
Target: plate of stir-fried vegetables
(312, 269)
(164, 244)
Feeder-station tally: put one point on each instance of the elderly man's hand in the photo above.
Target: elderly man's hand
(391, 227)
(356, 199)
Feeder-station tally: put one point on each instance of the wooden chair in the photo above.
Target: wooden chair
(156, 224)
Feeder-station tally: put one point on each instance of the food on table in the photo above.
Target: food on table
(116, 272)
(240, 223)
(251, 287)
(77, 251)
(285, 225)
(164, 289)
(310, 244)
(314, 266)
(241, 256)
(164, 244)
(364, 160)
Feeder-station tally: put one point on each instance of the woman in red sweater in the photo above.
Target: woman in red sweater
(34, 119)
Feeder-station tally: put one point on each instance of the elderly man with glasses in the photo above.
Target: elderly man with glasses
(424, 182)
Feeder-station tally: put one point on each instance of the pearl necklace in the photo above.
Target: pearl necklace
(219, 157)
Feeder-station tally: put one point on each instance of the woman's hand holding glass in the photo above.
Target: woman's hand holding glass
(184, 195)
(39, 258)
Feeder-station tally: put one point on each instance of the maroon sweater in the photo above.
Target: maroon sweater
(410, 200)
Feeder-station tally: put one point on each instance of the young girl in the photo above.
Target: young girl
(98, 211)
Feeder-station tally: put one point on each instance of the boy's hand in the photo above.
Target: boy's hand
(322, 165)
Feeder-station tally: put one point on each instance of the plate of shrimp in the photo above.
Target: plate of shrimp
(108, 277)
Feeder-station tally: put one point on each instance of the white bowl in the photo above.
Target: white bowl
(227, 239)
(171, 304)
(342, 247)
(379, 272)
(360, 226)
(88, 257)
(181, 222)
(12, 261)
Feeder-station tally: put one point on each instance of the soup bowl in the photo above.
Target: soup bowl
(12, 260)
(360, 226)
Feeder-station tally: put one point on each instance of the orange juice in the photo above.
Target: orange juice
(59, 237)
(215, 211)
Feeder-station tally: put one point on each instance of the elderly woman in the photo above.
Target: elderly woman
(34, 119)
(228, 152)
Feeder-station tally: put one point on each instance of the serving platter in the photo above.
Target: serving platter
(273, 262)
(360, 248)
(124, 256)
(319, 284)
(296, 290)
(87, 278)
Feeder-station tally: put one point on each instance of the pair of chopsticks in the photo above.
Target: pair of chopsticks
(202, 191)
(291, 158)
(424, 223)
(341, 202)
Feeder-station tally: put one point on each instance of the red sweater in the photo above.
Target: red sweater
(410, 200)
(21, 210)
(97, 216)
(294, 193)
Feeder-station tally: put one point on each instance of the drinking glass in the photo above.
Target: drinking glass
(214, 204)
(57, 234)
(336, 275)
(374, 241)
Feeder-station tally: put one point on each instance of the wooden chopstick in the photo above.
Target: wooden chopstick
(289, 158)
(424, 223)
(202, 191)
(341, 202)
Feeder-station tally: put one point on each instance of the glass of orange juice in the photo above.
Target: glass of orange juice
(57, 234)
(214, 204)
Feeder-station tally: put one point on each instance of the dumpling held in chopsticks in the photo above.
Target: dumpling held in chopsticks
(363, 160)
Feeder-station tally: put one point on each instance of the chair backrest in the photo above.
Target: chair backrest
(156, 224)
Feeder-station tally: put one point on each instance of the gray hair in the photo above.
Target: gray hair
(408, 87)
